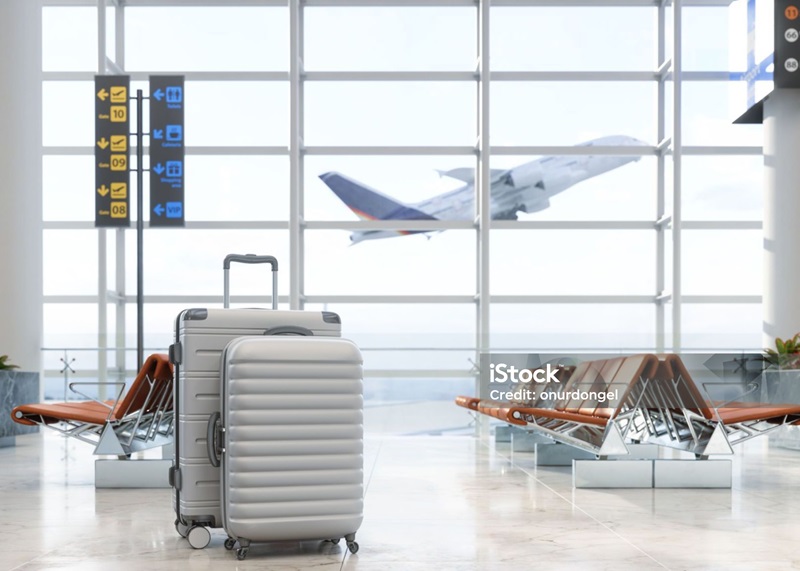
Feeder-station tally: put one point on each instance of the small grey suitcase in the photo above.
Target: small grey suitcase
(290, 440)
(200, 338)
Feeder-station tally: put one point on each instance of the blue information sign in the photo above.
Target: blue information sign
(167, 151)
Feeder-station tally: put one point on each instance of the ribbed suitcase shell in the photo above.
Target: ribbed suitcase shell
(202, 335)
(293, 465)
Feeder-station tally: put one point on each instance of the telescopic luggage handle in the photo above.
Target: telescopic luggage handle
(249, 259)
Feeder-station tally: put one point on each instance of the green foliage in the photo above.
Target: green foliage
(786, 354)
(4, 364)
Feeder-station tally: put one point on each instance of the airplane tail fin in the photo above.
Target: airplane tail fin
(369, 204)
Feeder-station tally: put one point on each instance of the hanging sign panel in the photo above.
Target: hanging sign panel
(111, 151)
(167, 150)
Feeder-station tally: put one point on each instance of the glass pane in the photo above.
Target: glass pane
(721, 326)
(68, 113)
(556, 38)
(230, 188)
(537, 327)
(427, 336)
(237, 113)
(390, 113)
(189, 262)
(70, 262)
(709, 109)
(722, 188)
(72, 325)
(722, 262)
(573, 262)
(68, 188)
(389, 38)
(74, 28)
(206, 39)
(707, 36)
(569, 113)
(403, 265)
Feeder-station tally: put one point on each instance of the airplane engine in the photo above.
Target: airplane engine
(529, 174)
(557, 180)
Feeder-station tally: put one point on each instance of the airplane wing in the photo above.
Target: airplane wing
(467, 174)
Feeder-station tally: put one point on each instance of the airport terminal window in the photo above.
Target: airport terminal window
(420, 179)
(206, 39)
(390, 113)
(624, 193)
(572, 262)
(570, 113)
(572, 326)
(71, 266)
(709, 109)
(723, 188)
(64, 184)
(240, 194)
(68, 113)
(189, 262)
(722, 262)
(407, 265)
(75, 27)
(387, 39)
(705, 35)
(556, 38)
(709, 327)
(237, 113)
(231, 187)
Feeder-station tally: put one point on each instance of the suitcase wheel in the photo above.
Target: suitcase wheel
(181, 528)
(334, 541)
(241, 553)
(198, 536)
(230, 543)
(352, 546)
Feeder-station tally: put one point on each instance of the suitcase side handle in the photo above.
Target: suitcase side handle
(212, 440)
(249, 259)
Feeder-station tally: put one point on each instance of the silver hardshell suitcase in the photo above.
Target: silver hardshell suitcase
(200, 337)
(290, 440)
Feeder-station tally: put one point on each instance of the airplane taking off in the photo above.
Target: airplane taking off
(525, 188)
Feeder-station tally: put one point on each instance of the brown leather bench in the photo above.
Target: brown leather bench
(145, 408)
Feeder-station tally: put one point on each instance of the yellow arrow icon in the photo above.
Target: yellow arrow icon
(102, 94)
(103, 190)
(102, 143)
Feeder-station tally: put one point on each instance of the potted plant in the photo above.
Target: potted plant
(781, 385)
(5, 365)
(16, 387)
(786, 354)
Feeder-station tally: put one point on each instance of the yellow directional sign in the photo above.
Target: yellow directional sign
(119, 94)
(119, 190)
(111, 150)
(119, 143)
(119, 113)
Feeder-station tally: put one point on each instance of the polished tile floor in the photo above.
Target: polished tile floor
(432, 503)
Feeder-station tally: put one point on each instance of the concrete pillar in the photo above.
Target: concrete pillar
(21, 182)
(781, 306)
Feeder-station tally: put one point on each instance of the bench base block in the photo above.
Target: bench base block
(652, 474)
(143, 473)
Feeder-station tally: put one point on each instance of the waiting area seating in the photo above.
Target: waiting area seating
(650, 399)
(142, 418)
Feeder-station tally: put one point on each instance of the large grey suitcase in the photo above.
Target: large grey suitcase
(200, 337)
(291, 440)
